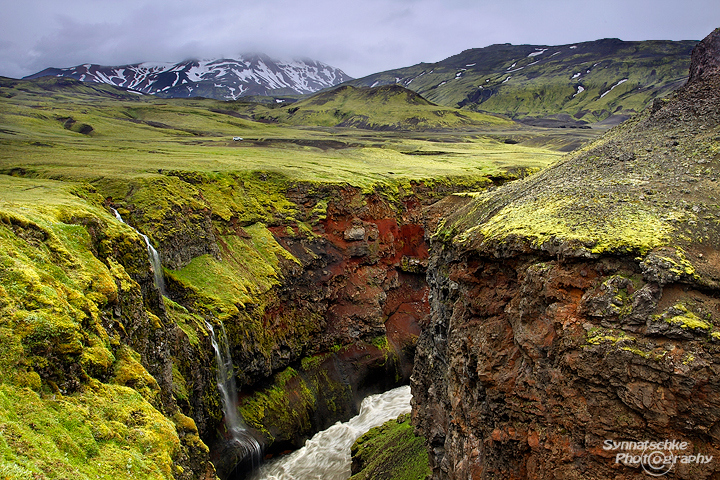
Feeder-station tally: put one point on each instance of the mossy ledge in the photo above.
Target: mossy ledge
(391, 451)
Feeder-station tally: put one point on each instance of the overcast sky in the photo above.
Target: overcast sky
(360, 37)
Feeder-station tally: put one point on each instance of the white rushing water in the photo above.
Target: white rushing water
(153, 255)
(326, 456)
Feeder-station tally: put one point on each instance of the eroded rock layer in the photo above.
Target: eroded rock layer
(581, 307)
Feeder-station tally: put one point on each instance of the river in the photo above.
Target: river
(326, 456)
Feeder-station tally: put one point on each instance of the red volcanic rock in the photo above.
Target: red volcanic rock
(540, 359)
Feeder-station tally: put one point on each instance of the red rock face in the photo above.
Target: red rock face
(522, 374)
(538, 363)
(368, 269)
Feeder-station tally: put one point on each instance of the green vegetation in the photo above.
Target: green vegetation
(141, 138)
(585, 82)
(391, 451)
(287, 410)
(104, 431)
(627, 193)
(625, 228)
(689, 322)
(614, 341)
(75, 401)
(389, 107)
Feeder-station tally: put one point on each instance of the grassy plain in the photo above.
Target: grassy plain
(133, 135)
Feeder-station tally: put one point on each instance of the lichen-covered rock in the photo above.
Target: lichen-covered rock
(578, 308)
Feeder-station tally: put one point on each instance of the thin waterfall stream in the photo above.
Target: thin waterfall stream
(250, 449)
(153, 256)
(326, 456)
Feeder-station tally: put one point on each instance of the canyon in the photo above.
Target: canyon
(538, 309)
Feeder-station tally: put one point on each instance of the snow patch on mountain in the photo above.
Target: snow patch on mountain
(539, 51)
(613, 87)
(225, 79)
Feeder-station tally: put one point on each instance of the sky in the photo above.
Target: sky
(360, 37)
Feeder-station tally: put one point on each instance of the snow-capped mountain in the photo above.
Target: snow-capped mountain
(226, 79)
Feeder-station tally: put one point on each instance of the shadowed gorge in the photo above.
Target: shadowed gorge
(187, 285)
(307, 245)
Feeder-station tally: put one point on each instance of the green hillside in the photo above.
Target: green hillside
(389, 107)
(588, 81)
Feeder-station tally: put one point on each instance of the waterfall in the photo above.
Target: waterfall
(153, 256)
(235, 425)
(326, 456)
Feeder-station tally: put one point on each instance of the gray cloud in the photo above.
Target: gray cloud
(359, 37)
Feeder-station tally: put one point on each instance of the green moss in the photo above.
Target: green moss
(129, 372)
(598, 336)
(313, 362)
(688, 319)
(102, 432)
(180, 387)
(282, 409)
(624, 228)
(287, 409)
(391, 451)
(619, 341)
(248, 268)
(59, 286)
(319, 211)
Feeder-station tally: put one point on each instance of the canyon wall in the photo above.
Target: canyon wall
(320, 288)
(580, 308)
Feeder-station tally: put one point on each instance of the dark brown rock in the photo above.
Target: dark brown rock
(705, 60)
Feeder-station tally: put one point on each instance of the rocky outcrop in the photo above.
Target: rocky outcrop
(705, 60)
(578, 309)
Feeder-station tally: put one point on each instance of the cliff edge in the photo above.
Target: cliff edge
(579, 309)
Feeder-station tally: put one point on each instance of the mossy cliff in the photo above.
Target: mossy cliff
(86, 372)
(320, 288)
(580, 306)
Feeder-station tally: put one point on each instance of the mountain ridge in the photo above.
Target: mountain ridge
(387, 107)
(586, 81)
(222, 79)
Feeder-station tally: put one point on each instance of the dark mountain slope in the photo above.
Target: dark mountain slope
(587, 81)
